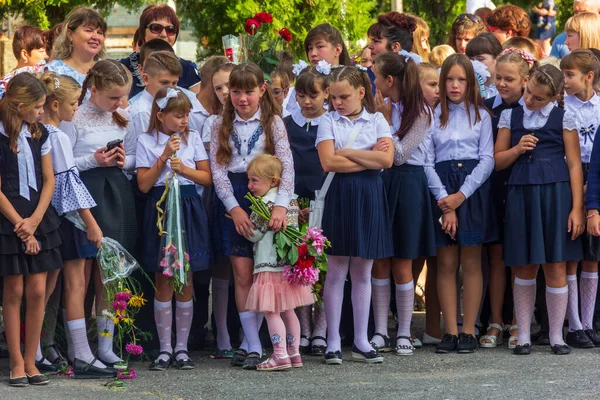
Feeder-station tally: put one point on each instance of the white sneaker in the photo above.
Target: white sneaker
(430, 340)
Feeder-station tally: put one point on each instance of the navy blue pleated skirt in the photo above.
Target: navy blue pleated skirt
(75, 244)
(195, 224)
(411, 212)
(226, 240)
(476, 219)
(356, 218)
(536, 225)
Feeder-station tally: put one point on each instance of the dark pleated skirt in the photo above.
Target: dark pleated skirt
(75, 244)
(499, 189)
(13, 260)
(115, 210)
(195, 225)
(536, 225)
(226, 240)
(411, 212)
(356, 218)
(476, 219)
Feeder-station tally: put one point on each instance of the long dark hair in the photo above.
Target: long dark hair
(406, 78)
(248, 77)
(329, 34)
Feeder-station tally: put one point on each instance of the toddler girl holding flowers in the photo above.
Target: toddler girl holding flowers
(271, 293)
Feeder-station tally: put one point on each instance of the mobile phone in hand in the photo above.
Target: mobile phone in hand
(112, 144)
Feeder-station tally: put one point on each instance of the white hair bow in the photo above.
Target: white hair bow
(480, 69)
(411, 56)
(323, 67)
(299, 67)
(163, 101)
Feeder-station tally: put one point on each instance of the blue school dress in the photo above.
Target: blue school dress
(302, 135)
(461, 158)
(356, 218)
(411, 211)
(539, 192)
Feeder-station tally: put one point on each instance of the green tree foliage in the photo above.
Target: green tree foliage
(47, 13)
(212, 19)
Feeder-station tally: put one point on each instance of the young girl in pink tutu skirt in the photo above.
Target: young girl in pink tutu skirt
(271, 293)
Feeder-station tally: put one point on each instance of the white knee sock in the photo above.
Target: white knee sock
(163, 317)
(183, 317)
(380, 289)
(405, 300)
(81, 347)
(249, 324)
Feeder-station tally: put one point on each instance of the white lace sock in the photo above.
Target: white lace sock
(405, 300)
(184, 314)
(163, 317)
(381, 307)
(588, 289)
(524, 299)
(556, 301)
(573, 307)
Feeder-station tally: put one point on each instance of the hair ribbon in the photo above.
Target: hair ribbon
(163, 101)
(411, 56)
(323, 67)
(299, 67)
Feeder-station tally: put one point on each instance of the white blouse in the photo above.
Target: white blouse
(537, 119)
(412, 148)
(150, 148)
(337, 128)
(246, 142)
(461, 140)
(587, 118)
(92, 129)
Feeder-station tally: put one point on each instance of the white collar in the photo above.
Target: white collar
(364, 115)
(544, 111)
(301, 120)
(147, 96)
(497, 101)
(255, 117)
(271, 195)
(24, 130)
(574, 100)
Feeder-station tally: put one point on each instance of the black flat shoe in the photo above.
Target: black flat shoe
(185, 362)
(304, 349)
(252, 360)
(38, 379)
(318, 349)
(579, 340)
(20, 381)
(467, 343)
(59, 360)
(43, 367)
(333, 358)
(561, 349)
(448, 344)
(160, 364)
(369, 357)
(522, 350)
(594, 337)
(83, 370)
(239, 356)
(543, 339)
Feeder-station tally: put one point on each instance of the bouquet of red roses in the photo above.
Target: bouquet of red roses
(301, 252)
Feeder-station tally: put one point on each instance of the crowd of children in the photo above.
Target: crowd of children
(472, 156)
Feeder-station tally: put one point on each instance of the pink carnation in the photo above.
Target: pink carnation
(168, 272)
(119, 305)
(301, 276)
(134, 349)
(127, 374)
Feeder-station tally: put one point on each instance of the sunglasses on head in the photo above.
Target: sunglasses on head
(472, 17)
(157, 29)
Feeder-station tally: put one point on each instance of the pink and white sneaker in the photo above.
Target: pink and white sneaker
(275, 363)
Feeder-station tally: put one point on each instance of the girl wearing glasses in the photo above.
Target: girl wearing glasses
(160, 22)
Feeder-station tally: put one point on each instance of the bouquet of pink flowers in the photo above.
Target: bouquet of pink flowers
(301, 252)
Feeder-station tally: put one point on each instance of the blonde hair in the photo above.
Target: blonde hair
(422, 31)
(586, 25)
(426, 68)
(440, 53)
(81, 16)
(266, 166)
(24, 89)
(163, 61)
(105, 75)
(62, 88)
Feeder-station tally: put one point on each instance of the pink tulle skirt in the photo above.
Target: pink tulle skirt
(271, 292)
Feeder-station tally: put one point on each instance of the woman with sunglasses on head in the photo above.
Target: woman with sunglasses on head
(79, 45)
(160, 21)
(464, 28)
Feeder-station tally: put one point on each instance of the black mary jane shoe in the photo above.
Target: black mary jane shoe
(59, 360)
(522, 350)
(318, 350)
(160, 364)
(84, 370)
(579, 340)
(333, 358)
(43, 367)
(369, 357)
(594, 337)
(19, 381)
(38, 379)
(561, 349)
(387, 345)
(185, 362)
(304, 349)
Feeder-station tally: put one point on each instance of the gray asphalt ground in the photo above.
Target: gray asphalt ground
(487, 374)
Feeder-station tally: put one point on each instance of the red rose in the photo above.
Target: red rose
(285, 34)
(251, 26)
(263, 17)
